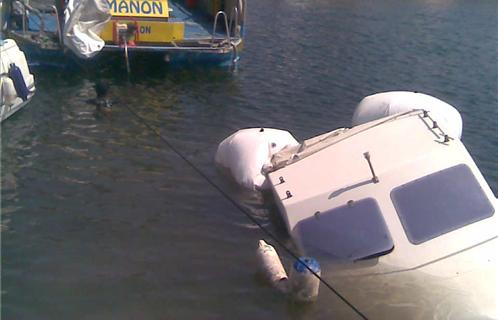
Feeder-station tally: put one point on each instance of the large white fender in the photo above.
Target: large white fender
(9, 94)
(303, 285)
(248, 151)
(384, 104)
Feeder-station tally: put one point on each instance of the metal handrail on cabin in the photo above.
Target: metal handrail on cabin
(226, 26)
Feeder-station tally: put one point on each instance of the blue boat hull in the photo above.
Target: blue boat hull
(201, 44)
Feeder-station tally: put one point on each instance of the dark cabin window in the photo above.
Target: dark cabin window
(440, 202)
(354, 231)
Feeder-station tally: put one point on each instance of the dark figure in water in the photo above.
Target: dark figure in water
(102, 102)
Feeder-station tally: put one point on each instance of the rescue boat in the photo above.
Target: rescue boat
(206, 31)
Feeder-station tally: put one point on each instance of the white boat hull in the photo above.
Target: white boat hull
(11, 97)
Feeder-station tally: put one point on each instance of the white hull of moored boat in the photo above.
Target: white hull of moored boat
(16, 82)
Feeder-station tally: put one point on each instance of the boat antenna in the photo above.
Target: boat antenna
(230, 199)
(375, 179)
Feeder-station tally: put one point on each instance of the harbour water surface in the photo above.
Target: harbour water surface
(101, 220)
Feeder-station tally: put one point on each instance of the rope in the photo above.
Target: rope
(126, 56)
(242, 209)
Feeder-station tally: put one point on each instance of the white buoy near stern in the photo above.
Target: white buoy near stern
(271, 267)
(304, 284)
(301, 286)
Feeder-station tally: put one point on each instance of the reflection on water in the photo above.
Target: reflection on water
(101, 220)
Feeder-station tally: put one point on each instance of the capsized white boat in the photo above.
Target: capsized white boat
(17, 85)
(398, 214)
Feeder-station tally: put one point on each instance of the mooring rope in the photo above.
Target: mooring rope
(241, 208)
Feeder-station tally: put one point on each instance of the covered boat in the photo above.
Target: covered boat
(207, 31)
(17, 85)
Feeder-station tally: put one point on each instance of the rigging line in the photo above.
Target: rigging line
(241, 208)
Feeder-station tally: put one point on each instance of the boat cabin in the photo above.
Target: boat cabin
(393, 187)
(399, 216)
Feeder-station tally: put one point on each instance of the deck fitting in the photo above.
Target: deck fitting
(375, 179)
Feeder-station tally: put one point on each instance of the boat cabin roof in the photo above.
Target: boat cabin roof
(395, 188)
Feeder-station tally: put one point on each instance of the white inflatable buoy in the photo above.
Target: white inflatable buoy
(9, 93)
(246, 152)
(271, 267)
(304, 285)
(384, 104)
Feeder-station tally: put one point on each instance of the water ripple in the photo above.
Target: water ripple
(101, 220)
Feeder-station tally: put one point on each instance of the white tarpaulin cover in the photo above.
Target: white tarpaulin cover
(247, 152)
(84, 20)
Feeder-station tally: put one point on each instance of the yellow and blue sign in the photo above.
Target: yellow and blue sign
(147, 31)
(139, 8)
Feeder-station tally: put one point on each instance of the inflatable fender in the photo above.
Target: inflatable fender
(15, 74)
(270, 266)
(9, 94)
(246, 152)
(384, 104)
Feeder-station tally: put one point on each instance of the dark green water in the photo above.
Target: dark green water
(100, 220)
